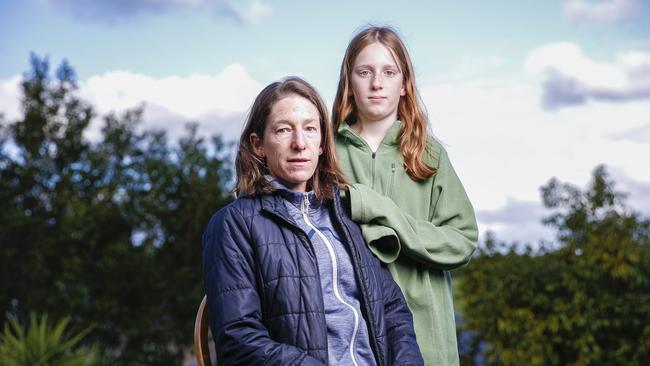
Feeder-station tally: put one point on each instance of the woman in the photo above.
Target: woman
(289, 280)
(412, 207)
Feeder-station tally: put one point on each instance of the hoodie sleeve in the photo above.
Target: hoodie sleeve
(445, 241)
(234, 306)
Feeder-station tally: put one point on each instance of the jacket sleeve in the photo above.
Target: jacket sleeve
(234, 306)
(445, 241)
(403, 348)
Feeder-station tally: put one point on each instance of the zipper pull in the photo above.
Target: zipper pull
(392, 167)
(304, 206)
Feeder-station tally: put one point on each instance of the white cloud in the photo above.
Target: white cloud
(639, 191)
(517, 220)
(231, 90)
(504, 146)
(604, 11)
(10, 98)
(252, 12)
(639, 134)
(217, 102)
(572, 78)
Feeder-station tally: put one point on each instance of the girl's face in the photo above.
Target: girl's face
(377, 84)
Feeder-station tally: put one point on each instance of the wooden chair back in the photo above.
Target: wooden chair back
(201, 341)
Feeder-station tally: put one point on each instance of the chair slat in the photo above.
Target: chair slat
(201, 342)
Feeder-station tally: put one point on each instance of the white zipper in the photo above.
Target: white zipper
(304, 208)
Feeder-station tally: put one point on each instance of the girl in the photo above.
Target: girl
(413, 209)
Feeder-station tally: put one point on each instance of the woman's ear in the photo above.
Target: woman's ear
(256, 143)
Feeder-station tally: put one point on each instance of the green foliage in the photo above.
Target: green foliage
(583, 301)
(106, 230)
(43, 344)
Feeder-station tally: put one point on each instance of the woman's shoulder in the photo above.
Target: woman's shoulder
(241, 208)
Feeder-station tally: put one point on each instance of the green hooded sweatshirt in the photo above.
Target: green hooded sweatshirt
(420, 229)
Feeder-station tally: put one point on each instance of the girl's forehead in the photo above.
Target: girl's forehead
(376, 52)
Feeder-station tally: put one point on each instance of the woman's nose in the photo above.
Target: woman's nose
(298, 140)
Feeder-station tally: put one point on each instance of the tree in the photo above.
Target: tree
(106, 232)
(584, 303)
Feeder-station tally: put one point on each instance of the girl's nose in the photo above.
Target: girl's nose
(376, 82)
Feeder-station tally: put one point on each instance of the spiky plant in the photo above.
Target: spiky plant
(43, 344)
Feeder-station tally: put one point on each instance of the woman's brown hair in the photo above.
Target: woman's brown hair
(413, 136)
(250, 168)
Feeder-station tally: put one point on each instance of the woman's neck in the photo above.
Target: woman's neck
(373, 132)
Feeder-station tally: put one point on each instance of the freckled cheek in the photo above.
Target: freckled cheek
(357, 87)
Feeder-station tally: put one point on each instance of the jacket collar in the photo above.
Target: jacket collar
(274, 202)
(347, 132)
(292, 196)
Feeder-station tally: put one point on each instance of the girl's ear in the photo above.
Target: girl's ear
(256, 142)
(402, 91)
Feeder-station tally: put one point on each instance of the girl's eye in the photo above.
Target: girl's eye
(390, 73)
(364, 73)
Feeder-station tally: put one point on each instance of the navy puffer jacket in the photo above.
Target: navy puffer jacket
(264, 294)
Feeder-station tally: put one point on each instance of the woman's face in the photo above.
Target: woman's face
(377, 84)
(292, 141)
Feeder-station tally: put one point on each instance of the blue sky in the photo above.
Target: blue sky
(518, 91)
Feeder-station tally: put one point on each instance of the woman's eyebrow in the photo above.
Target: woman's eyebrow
(292, 122)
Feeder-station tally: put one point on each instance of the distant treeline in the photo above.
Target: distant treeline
(581, 298)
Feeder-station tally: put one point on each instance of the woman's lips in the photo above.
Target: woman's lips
(298, 161)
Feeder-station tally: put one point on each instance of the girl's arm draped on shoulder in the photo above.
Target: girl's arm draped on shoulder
(445, 241)
(234, 306)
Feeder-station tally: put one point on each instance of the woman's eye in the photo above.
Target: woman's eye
(390, 73)
(311, 129)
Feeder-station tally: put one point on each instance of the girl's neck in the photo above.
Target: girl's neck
(374, 131)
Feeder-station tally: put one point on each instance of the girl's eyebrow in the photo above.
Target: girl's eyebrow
(365, 65)
(371, 66)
